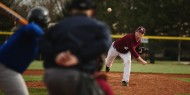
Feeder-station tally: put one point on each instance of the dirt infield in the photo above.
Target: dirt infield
(140, 83)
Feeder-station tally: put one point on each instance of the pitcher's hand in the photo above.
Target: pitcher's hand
(144, 62)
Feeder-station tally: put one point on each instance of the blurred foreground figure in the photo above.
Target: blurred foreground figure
(71, 49)
(20, 50)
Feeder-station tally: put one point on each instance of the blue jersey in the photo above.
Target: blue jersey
(21, 48)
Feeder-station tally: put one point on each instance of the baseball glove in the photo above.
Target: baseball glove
(142, 50)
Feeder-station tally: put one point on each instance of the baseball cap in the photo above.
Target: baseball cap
(82, 4)
(141, 29)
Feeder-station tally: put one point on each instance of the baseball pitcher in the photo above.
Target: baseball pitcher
(124, 47)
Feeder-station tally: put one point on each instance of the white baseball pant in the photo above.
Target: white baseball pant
(112, 54)
(12, 82)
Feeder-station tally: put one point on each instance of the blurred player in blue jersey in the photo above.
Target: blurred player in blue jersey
(20, 50)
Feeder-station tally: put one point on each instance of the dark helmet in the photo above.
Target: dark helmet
(39, 15)
(81, 4)
(78, 4)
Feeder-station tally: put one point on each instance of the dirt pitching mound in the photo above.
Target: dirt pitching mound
(140, 83)
(149, 84)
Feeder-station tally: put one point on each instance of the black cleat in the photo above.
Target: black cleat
(124, 83)
(107, 69)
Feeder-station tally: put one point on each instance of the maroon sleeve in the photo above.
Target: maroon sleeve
(132, 47)
(105, 86)
(133, 51)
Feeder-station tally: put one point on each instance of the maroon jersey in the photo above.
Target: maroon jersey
(127, 43)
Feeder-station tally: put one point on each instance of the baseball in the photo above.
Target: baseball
(109, 9)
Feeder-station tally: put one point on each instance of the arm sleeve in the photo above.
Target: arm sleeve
(138, 49)
(34, 30)
(133, 50)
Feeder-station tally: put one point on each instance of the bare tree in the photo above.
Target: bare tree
(54, 7)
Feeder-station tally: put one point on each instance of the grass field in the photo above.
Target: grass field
(31, 78)
(170, 67)
(38, 91)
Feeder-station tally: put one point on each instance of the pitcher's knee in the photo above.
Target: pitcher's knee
(127, 61)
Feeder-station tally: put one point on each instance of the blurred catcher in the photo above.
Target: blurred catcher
(71, 49)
